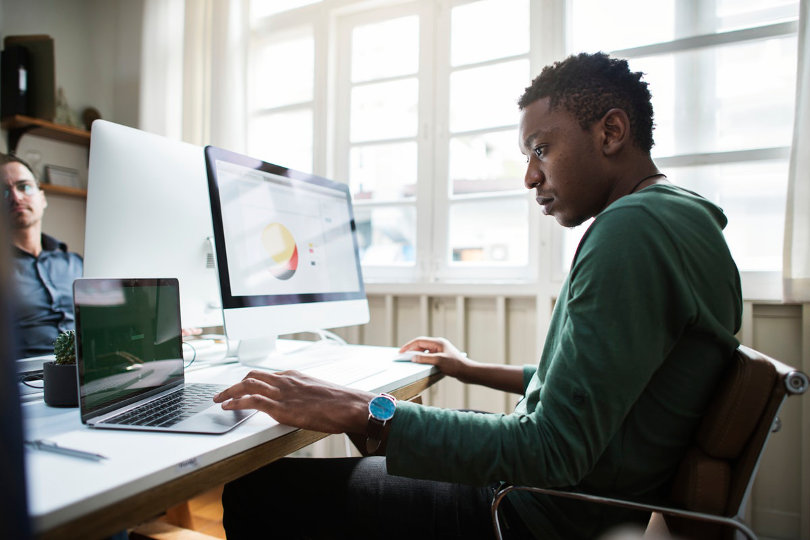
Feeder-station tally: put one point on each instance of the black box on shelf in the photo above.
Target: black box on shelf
(40, 80)
(13, 81)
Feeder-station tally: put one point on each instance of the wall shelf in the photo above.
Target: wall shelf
(64, 190)
(19, 125)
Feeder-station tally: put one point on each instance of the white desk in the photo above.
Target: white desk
(147, 473)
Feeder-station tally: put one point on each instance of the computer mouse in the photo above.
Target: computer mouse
(406, 356)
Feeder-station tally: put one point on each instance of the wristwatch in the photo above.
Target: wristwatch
(381, 409)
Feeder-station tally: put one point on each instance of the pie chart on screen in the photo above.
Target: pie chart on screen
(279, 243)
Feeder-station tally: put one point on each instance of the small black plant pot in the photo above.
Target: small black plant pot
(61, 387)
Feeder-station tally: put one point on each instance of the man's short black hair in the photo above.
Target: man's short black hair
(5, 159)
(589, 85)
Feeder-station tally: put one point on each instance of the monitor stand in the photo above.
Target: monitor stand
(278, 355)
(256, 352)
(330, 358)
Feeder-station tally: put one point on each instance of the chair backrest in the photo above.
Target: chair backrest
(718, 469)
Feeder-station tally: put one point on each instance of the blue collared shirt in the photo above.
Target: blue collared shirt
(44, 301)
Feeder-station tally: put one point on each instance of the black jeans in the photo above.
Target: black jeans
(355, 498)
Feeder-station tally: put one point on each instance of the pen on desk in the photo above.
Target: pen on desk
(49, 446)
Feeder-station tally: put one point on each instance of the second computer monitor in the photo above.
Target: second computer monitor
(287, 252)
(148, 216)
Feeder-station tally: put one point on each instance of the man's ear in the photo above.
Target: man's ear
(615, 130)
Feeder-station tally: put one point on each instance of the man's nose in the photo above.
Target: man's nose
(534, 176)
(14, 194)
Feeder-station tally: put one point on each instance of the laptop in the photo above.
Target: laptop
(129, 354)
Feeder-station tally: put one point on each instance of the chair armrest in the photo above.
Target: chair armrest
(610, 501)
(795, 381)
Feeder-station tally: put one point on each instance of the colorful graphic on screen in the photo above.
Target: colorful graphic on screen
(280, 245)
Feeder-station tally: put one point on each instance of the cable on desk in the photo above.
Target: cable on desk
(327, 335)
(193, 356)
(325, 338)
(31, 376)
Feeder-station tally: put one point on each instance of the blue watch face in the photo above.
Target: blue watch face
(382, 408)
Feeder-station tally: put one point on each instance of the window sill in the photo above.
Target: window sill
(758, 287)
(762, 286)
(458, 288)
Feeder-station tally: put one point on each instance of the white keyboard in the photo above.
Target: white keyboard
(345, 372)
(340, 364)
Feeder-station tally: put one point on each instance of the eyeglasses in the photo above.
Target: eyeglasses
(22, 188)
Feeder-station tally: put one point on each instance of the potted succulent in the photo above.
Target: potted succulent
(60, 378)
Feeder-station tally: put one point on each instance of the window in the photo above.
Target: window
(432, 160)
(722, 74)
(414, 107)
(380, 82)
(420, 120)
(281, 97)
(488, 209)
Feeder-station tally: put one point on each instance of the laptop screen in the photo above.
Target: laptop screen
(128, 340)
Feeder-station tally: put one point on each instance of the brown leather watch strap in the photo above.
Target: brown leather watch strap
(374, 434)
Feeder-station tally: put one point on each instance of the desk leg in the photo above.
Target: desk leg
(180, 515)
(176, 524)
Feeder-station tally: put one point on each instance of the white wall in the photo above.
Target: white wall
(97, 56)
(97, 49)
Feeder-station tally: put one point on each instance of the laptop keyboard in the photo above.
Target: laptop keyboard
(171, 408)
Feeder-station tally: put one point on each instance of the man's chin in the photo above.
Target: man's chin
(20, 222)
(569, 223)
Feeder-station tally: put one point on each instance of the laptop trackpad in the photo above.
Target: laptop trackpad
(213, 420)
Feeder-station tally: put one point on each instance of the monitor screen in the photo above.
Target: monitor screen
(287, 251)
(148, 216)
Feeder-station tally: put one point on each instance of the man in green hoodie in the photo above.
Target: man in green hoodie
(641, 332)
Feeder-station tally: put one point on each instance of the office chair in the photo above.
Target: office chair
(717, 471)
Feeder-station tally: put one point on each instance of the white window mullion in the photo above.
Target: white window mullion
(436, 191)
(341, 79)
(547, 40)
(321, 122)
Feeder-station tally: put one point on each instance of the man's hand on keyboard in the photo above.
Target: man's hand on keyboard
(299, 400)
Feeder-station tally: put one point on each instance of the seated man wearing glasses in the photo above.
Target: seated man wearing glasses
(42, 267)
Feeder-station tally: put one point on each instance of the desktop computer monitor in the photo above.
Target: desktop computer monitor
(148, 216)
(287, 253)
